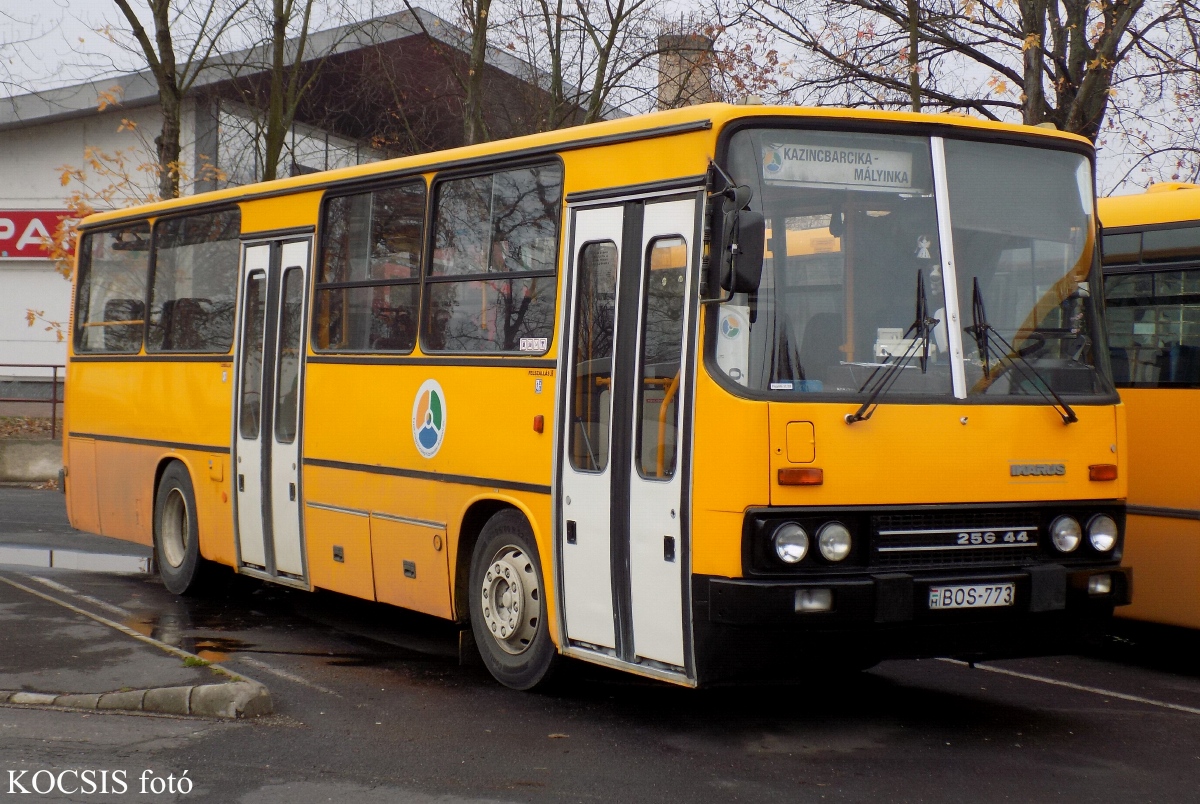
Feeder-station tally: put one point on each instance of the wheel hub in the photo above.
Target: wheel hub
(175, 528)
(511, 599)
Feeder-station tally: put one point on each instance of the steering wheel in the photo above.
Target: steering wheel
(1034, 343)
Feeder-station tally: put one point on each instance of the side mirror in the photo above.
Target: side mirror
(747, 253)
(738, 243)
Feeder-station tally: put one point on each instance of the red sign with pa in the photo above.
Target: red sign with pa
(24, 232)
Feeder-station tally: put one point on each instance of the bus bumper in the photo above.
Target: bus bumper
(750, 624)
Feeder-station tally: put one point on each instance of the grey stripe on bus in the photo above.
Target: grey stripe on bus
(338, 509)
(406, 520)
(1168, 513)
(441, 477)
(150, 442)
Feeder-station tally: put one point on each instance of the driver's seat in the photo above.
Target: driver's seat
(821, 347)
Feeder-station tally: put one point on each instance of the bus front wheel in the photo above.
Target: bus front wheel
(508, 604)
(176, 532)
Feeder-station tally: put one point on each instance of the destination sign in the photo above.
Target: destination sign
(823, 165)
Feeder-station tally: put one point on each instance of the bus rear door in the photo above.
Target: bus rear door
(267, 407)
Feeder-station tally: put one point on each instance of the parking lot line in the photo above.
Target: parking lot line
(1080, 687)
(284, 674)
(95, 601)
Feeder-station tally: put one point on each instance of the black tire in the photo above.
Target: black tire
(514, 640)
(177, 532)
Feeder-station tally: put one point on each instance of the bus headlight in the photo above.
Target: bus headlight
(791, 542)
(834, 541)
(1066, 533)
(1102, 532)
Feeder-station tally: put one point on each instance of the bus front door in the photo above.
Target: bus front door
(622, 542)
(267, 388)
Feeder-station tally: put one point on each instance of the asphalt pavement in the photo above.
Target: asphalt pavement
(46, 648)
(38, 518)
(371, 705)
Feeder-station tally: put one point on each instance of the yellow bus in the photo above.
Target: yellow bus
(709, 393)
(1151, 251)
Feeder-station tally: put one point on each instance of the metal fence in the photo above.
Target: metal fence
(54, 401)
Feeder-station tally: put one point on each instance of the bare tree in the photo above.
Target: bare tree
(913, 55)
(272, 75)
(592, 57)
(620, 46)
(205, 24)
(1153, 129)
(475, 21)
(477, 12)
(1048, 61)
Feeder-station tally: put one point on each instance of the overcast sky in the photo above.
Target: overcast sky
(54, 42)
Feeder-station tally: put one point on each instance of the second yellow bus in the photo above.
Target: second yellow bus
(1152, 288)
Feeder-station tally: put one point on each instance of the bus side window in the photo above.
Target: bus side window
(250, 414)
(492, 281)
(1154, 328)
(593, 356)
(110, 299)
(368, 287)
(291, 344)
(661, 357)
(193, 283)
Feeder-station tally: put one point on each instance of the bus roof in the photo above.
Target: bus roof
(1167, 202)
(716, 114)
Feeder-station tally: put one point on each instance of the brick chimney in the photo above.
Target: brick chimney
(685, 64)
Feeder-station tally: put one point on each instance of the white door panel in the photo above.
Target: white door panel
(655, 539)
(586, 533)
(248, 407)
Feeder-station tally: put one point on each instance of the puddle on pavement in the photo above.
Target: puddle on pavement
(379, 633)
(215, 649)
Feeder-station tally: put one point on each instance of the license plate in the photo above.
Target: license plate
(974, 596)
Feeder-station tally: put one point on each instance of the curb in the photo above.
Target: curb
(19, 555)
(240, 697)
(30, 460)
(234, 699)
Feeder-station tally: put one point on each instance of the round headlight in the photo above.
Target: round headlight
(1066, 534)
(834, 540)
(791, 542)
(1102, 532)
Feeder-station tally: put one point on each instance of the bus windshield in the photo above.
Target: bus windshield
(854, 238)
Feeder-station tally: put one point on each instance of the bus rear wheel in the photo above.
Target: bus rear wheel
(508, 604)
(176, 532)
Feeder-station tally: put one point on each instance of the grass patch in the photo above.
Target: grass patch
(195, 661)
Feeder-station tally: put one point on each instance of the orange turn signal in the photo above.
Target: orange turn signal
(1102, 471)
(539, 423)
(801, 476)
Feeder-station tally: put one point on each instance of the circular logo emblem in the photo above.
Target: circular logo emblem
(731, 326)
(429, 418)
(772, 161)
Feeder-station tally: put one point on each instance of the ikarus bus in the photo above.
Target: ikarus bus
(722, 392)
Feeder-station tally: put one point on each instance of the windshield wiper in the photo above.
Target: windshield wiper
(886, 374)
(983, 332)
